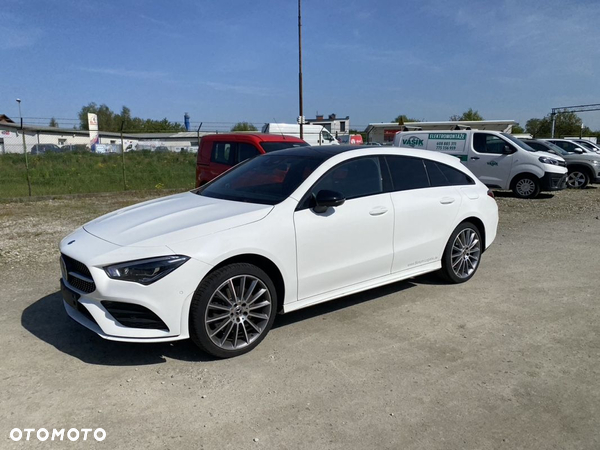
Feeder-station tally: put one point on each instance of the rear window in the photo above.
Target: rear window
(443, 175)
(269, 147)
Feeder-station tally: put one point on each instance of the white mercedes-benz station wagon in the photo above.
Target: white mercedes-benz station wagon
(276, 233)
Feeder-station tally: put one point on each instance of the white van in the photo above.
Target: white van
(498, 159)
(312, 134)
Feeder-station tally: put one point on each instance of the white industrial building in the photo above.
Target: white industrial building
(11, 139)
(337, 126)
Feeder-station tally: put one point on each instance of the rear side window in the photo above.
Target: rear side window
(407, 173)
(223, 153)
(246, 151)
(443, 175)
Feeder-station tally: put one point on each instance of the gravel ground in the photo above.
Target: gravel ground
(508, 360)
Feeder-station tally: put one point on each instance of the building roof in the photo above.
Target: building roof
(493, 125)
(5, 118)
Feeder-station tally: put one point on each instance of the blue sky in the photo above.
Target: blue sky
(229, 61)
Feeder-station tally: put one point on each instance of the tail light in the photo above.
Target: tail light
(490, 193)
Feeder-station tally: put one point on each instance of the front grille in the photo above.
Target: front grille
(77, 275)
(134, 316)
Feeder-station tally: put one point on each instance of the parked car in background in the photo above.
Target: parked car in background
(584, 168)
(312, 134)
(39, 149)
(161, 149)
(75, 148)
(277, 233)
(569, 146)
(498, 159)
(220, 152)
(587, 144)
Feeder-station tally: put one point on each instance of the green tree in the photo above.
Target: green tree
(567, 124)
(518, 129)
(243, 126)
(109, 121)
(402, 118)
(53, 123)
(469, 115)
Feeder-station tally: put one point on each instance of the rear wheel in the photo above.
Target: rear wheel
(232, 311)
(526, 186)
(462, 253)
(577, 179)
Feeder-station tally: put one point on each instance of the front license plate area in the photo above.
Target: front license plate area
(70, 296)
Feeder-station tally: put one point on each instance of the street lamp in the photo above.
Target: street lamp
(20, 115)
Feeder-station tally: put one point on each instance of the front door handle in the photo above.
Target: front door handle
(474, 157)
(447, 200)
(378, 211)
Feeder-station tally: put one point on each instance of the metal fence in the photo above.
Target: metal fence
(35, 164)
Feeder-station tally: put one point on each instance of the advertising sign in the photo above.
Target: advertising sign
(93, 127)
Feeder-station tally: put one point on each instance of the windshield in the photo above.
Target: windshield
(269, 147)
(518, 142)
(268, 179)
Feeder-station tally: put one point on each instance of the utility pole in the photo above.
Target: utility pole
(301, 119)
(24, 148)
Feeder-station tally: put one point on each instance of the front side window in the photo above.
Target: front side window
(407, 173)
(356, 178)
(488, 143)
(246, 151)
(222, 153)
(566, 145)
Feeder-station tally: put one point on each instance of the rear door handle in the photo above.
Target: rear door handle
(474, 157)
(378, 211)
(447, 200)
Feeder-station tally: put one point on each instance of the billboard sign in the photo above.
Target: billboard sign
(93, 127)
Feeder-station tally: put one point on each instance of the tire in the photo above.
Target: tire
(526, 186)
(462, 254)
(226, 323)
(577, 179)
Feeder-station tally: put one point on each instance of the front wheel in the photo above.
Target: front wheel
(577, 179)
(526, 186)
(462, 253)
(232, 311)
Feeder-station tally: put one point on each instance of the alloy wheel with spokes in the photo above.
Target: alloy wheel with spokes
(233, 309)
(577, 180)
(462, 253)
(466, 250)
(238, 312)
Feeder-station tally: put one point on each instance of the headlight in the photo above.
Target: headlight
(545, 160)
(145, 271)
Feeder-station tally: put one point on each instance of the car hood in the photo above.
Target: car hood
(173, 219)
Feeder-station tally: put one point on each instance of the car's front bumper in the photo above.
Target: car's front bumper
(552, 181)
(123, 310)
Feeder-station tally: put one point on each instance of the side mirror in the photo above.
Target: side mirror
(578, 151)
(326, 199)
(507, 150)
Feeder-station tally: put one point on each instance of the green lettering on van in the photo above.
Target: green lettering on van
(413, 142)
(453, 136)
